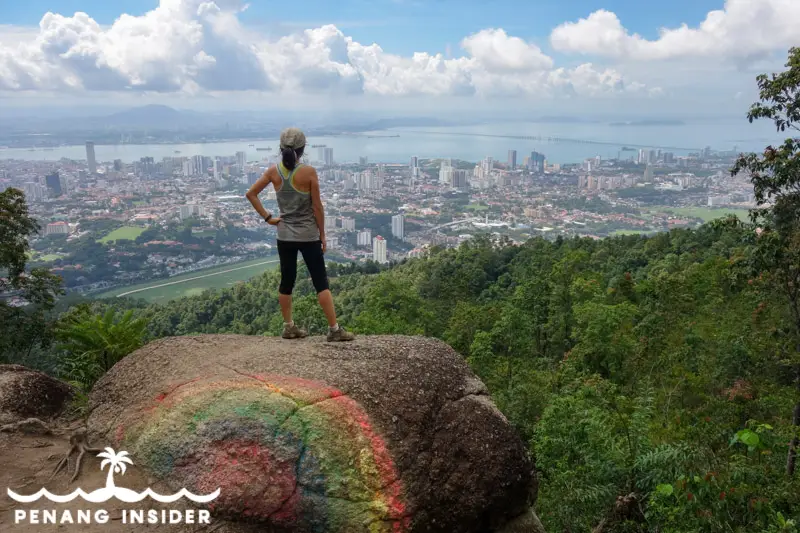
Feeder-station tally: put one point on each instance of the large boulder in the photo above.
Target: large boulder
(385, 434)
(26, 393)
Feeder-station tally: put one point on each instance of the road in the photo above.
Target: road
(194, 278)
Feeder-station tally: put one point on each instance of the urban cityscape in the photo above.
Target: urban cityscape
(540, 273)
(109, 225)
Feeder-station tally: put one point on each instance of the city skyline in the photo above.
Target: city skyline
(683, 58)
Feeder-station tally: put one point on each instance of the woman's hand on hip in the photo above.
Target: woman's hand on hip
(274, 221)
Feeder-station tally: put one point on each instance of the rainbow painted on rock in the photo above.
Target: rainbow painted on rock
(294, 452)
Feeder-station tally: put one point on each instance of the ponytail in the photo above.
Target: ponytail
(289, 158)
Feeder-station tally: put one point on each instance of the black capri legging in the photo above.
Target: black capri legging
(314, 259)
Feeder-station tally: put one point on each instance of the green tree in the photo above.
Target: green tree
(393, 307)
(25, 296)
(776, 179)
(95, 343)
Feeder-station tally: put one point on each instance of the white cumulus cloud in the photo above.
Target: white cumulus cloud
(195, 46)
(742, 30)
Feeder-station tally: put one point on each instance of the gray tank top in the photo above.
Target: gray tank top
(298, 222)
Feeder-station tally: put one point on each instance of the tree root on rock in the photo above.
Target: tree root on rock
(78, 443)
(29, 425)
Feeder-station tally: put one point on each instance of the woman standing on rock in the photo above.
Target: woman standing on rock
(301, 227)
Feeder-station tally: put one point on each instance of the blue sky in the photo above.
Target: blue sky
(559, 56)
(405, 26)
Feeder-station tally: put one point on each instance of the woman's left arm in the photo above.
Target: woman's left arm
(252, 196)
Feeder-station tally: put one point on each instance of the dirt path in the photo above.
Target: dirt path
(26, 463)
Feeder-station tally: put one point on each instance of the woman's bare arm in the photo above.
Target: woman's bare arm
(253, 193)
(319, 210)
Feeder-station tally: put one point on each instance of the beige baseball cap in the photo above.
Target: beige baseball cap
(292, 138)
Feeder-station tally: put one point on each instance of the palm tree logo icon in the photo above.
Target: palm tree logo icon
(116, 465)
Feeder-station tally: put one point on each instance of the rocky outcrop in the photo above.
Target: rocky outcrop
(26, 393)
(389, 434)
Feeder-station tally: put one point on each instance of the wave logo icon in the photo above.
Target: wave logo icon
(116, 463)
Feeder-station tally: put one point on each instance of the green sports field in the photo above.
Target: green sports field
(124, 233)
(707, 214)
(620, 232)
(194, 283)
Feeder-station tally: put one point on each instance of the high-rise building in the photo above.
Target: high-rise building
(642, 158)
(328, 157)
(217, 165)
(364, 238)
(188, 168)
(196, 165)
(321, 153)
(669, 158)
(379, 250)
(348, 224)
(66, 185)
(241, 160)
(648, 174)
(90, 157)
(414, 167)
(652, 157)
(186, 211)
(536, 162)
(145, 166)
(367, 181)
(118, 165)
(512, 159)
(363, 160)
(445, 172)
(398, 226)
(459, 179)
(330, 222)
(53, 182)
(34, 192)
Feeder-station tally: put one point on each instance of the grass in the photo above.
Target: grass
(620, 232)
(128, 233)
(48, 258)
(194, 283)
(707, 214)
(478, 207)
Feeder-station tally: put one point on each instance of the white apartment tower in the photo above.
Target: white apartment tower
(379, 250)
(398, 226)
(364, 237)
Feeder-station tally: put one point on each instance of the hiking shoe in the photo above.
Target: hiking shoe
(340, 335)
(293, 332)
